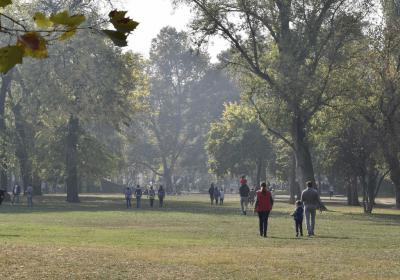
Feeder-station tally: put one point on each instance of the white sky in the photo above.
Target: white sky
(154, 15)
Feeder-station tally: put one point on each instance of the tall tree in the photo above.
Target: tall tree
(175, 70)
(307, 38)
(237, 145)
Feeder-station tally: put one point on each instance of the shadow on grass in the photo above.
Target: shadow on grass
(378, 218)
(10, 235)
(49, 204)
(332, 237)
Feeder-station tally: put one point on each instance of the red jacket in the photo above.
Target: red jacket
(264, 202)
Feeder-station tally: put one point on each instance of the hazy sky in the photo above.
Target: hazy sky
(155, 14)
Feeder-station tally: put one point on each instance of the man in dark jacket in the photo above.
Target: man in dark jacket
(311, 201)
(2, 195)
(211, 193)
(244, 191)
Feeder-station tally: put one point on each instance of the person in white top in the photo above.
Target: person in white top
(221, 196)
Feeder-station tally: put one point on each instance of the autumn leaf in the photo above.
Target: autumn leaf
(33, 44)
(9, 57)
(42, 21)
(63, 18)
(4, 3)
(68, 34)
(119, 38)
(121, 22)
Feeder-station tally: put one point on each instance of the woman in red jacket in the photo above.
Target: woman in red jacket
(263, 207)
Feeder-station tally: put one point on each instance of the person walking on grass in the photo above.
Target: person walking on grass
(216, 195)
(138, 195)
(29, 196)
(161, 196)
(311, 201)
(128, 197)
(244, 191)
(252, 196)
(211, 193)
(152, 195)
(298, 218)
(221, 196)
(263, 207)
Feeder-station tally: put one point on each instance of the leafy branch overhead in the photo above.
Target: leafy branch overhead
(55, 27)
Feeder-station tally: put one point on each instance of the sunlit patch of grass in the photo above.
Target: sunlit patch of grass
(190, 239)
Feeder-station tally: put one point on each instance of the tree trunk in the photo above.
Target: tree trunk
(390, 154)
(21, 150)
(72, 159)
(352, 193)
(36, 184)
(292, 180)
(302, 152)
(5, 88)
(168, 180)
(259, 170)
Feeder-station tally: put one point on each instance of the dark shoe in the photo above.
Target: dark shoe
(297, 234)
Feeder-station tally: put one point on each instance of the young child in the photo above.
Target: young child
(298, 218)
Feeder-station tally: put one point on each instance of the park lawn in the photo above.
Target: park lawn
(189, 239)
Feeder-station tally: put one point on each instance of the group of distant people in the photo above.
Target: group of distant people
(16, 193)
(216, 194)
(138, 193)
(307, 206)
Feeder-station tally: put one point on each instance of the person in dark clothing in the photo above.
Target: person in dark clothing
(216, 195)
(211, 193)
(298, 218)
(161, 195)
(152, 195)
(128, 197)
(2, 196)
(263, 207)
(244, 191)
(312, 202)
(138, 195)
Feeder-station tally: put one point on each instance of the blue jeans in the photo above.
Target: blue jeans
(310, 213)
(138, 202)
(263, 219)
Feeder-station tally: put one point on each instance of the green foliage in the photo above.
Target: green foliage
(236, 143)
(9, 57)
(4, 3)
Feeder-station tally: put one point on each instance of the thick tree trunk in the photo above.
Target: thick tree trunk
(391, 158)
(72, 159)
(21, 150)
(36, 184)
(352, 193)
(302, 152)
(167, 175)
(369, 182)
(5, 87)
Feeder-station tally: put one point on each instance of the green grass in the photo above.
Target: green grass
(189, 239)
